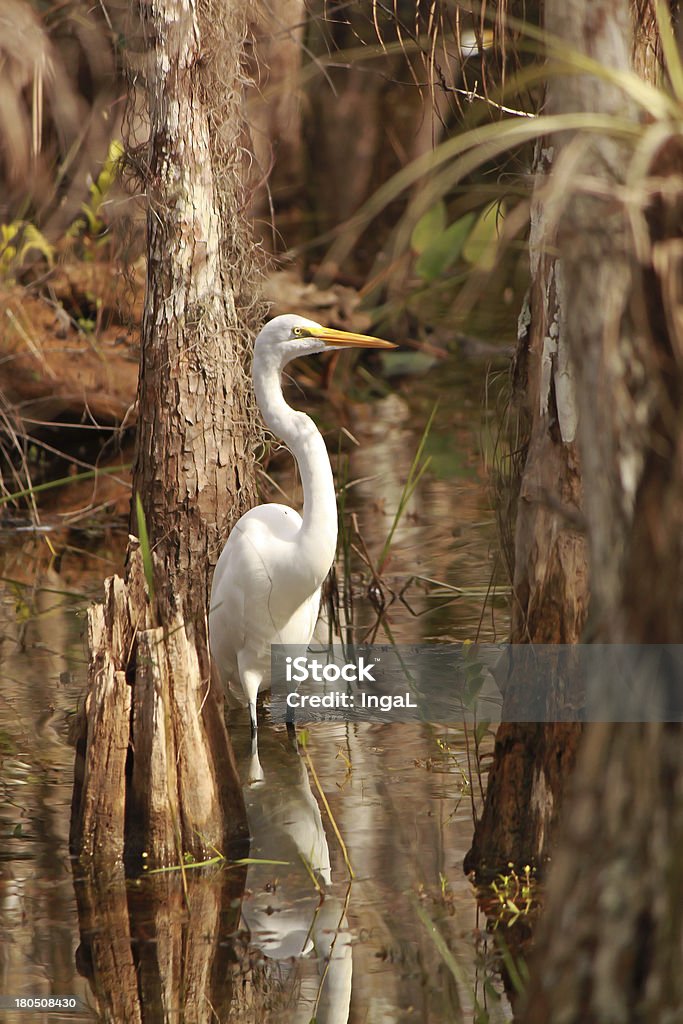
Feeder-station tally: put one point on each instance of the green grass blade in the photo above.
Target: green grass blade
(417, 469)
(479, 145)
(89, 474)
(459, 976)
(517, 970)
(143, 537)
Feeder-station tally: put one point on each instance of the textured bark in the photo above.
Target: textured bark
(98, 823)
(194, 468)
(156, 783)
(526, 786)
(158, 776)
(608, 350)
(610, 943)
(586, 311)
(532, 761)
(161, 781)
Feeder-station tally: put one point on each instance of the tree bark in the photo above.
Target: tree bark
(532, 761)
(158, 775)
(194, 465)
(550, 587)
(608, 947)
(610, 943)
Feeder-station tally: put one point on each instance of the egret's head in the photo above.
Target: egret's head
(291, 336)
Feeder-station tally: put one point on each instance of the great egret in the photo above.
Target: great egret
(266, 587)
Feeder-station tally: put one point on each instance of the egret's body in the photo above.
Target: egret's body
(266, 587)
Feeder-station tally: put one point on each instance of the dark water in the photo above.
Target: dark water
(382, 928)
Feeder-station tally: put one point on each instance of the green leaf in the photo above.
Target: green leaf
(480, 248)
(481, 730)
(444, 249)
(110, 168)
(8, 232)
(429, 226)
(472, 689)
(35, 239)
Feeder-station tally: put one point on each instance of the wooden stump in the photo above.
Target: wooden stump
(155, 771)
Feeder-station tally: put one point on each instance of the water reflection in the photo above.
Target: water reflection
(356, 948)
(39, 649)
(264, 938)
(290, 909)
(260, 939)
(440, 569)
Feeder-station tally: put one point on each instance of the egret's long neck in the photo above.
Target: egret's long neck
(300, 434)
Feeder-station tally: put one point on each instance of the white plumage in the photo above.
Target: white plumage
(266, 587)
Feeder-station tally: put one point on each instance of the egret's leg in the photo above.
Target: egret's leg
(256, 773)
(250, 678)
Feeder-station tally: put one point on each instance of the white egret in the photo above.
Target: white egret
(266, 587)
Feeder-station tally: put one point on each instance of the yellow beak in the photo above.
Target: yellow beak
(346, 339)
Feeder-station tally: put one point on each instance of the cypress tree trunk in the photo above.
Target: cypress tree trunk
(581, 273)
(157, 773)
(532, 761)
(609, 947)
(194, 466)
(156, 782)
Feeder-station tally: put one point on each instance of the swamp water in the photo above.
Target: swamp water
(297, 937)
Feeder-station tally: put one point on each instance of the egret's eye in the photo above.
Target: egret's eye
(300, 332)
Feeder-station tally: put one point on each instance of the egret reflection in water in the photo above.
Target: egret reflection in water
(290, 910)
